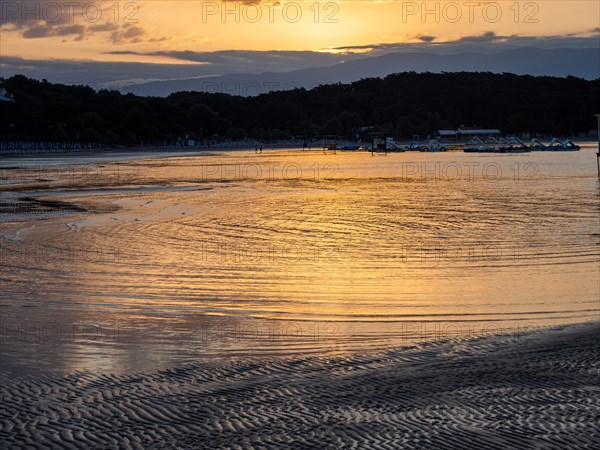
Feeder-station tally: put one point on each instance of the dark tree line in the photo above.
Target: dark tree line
(400, 104)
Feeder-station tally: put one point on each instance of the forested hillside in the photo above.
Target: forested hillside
(401, 104)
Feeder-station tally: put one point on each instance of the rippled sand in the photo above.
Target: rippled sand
(539, 390)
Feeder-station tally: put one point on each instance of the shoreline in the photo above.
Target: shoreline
(416, 343)
(195, 150)
(490, 391)
(175, 151)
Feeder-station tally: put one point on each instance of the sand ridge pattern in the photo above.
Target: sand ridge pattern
(538, 390)
(23, 209)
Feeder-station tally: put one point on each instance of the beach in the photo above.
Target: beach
(290, 225)
(537, 390)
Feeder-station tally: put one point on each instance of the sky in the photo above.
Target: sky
(107, 41)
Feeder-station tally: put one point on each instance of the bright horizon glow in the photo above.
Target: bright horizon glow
(320, 26)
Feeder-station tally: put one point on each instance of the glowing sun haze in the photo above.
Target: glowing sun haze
(45, 29)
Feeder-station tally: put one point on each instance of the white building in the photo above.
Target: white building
(467, 132)
(5, 96)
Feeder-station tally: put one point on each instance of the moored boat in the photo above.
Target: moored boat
(556, 145)
(517, 145)
(511, 144)
(476, 145)
(536, 145)
(349, 147)
(433, 146)
(412, 147)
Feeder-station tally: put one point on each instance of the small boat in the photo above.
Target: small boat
(412, 147)
(495, 145)
(511, 144)
(517, 145)
(349, 147)
(537, 146)
(490, 145)
(396, 148)
(391, 146)
(556, 145)
(476, 145)
(570, 146)
(433, 146)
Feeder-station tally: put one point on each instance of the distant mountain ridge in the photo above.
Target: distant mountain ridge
(560, 62)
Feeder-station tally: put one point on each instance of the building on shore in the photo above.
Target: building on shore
(465, 132)
(446, 134)
(6, 96)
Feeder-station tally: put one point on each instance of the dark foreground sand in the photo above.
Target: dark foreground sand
(538, 390)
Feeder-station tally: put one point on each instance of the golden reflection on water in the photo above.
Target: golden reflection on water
(238, 254)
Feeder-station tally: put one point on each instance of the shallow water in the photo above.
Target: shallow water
(211, 257)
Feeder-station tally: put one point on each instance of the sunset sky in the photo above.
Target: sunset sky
(54, 37)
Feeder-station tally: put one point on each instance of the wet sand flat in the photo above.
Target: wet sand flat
(539, 390)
